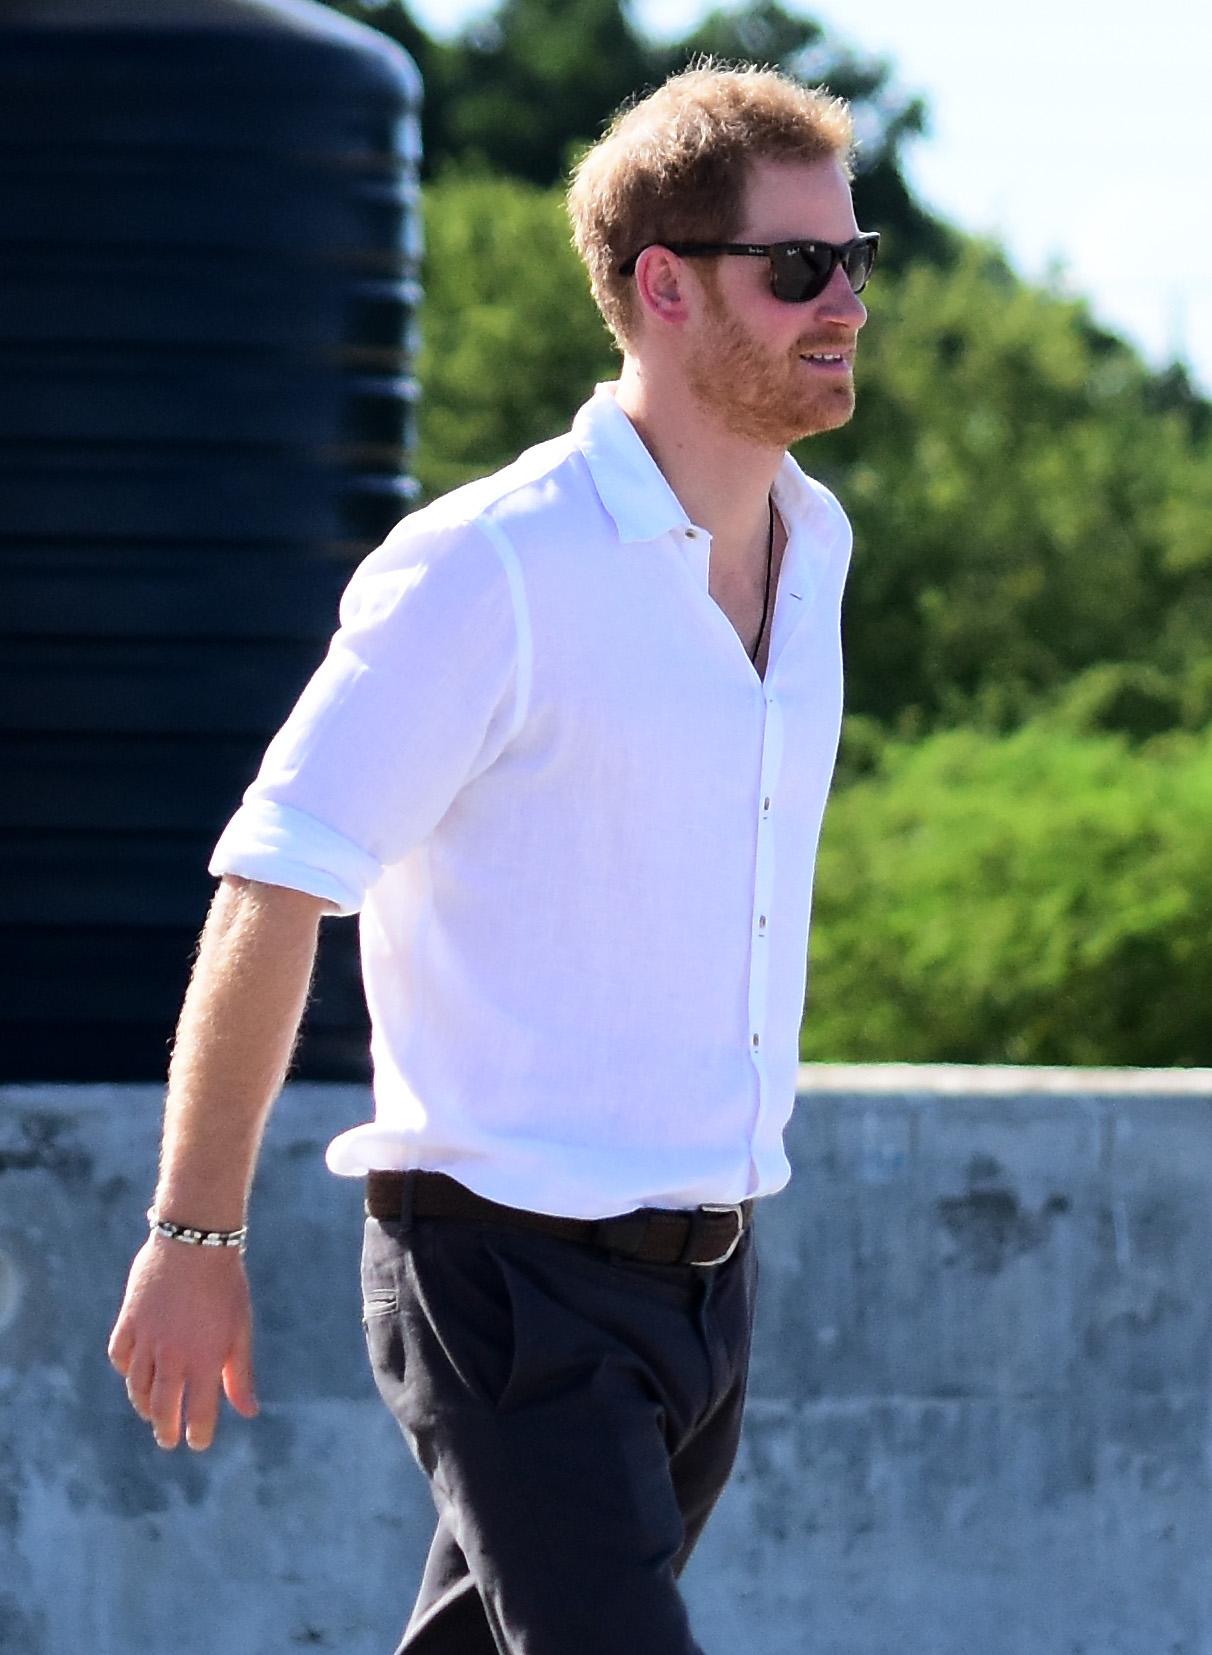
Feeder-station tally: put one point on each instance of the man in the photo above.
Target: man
(568, 754)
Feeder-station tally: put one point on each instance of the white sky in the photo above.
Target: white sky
(1078, 134)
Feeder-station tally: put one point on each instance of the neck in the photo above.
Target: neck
(722, 481)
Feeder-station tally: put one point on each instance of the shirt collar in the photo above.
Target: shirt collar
(630, 484)
(633, 489)
(806, 517)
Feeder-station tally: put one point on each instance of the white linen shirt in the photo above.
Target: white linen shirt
(579, 826)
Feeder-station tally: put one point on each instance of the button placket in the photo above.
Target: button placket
(763, 890)
(695, 545)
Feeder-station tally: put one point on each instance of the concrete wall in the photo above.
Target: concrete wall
(979, 1415)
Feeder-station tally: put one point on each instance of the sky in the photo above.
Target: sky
(1079, 136)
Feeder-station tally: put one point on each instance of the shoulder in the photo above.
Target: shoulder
(818, 514)
(462, 538)
(818, 508)
(460, 544)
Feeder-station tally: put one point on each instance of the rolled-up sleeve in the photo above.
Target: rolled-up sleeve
(415, 697)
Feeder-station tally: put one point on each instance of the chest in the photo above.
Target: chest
(742, 598)
(640, 689)
(655, 655)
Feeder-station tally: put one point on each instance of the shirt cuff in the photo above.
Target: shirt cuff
(280, 845)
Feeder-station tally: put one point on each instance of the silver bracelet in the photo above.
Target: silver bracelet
(197, 1238)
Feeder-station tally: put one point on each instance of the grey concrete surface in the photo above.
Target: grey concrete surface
(979, 1413)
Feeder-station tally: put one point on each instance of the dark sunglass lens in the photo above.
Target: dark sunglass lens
(800, 273)
(857, 264)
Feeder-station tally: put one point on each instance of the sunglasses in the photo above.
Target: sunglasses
(799, 270)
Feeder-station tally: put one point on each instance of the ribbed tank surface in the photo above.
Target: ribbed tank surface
(209, 258)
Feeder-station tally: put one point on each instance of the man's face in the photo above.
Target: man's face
(753, 360)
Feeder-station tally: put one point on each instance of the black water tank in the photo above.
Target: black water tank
(209, 247)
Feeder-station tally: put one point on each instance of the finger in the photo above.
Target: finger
(139, 1376)
(238, 1380)
(202, 1414)
(165, 1410)
(121, 1345)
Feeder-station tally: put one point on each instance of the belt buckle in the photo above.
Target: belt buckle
(735, 1208)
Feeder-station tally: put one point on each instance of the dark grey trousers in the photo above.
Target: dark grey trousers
(577, 1415)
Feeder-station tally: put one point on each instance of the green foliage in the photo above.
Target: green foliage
(534, 78)
(1135, 699)
(533, 81)
(511, 341)
(1022, 509)
(1032, 898)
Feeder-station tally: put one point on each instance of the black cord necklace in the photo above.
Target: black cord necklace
(769, 567)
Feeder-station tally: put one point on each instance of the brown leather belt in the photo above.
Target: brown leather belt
(654, 1235)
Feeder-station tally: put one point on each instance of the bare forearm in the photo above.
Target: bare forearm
(234, 1042)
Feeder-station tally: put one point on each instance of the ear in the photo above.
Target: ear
(661, 285)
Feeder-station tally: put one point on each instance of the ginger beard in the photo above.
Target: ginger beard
(757, 392)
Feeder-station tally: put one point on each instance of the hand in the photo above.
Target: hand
(184, 1326)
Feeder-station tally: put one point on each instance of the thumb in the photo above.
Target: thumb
(238, 1385)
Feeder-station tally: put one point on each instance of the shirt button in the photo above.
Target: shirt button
(761, 922)
(755, 1041)
(766, 802)
(692, 534)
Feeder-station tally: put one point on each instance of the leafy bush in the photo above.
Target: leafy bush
(511, 343)
(1022, 507)
(1033, 898)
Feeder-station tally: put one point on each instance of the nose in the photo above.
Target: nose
(840, 303)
